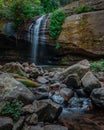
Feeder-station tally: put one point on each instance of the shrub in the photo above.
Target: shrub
(13, 109)
(83, 8)
(97, 66)
(23, 10)
(50, 5)
(57, 46)
(56, 21)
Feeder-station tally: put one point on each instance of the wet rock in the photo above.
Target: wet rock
(97, 97)
(32, 119)
(55, 127)
(81, 93)
(28, 109)
(90, 82)
(47, 111)
(72, 81)
(19, 124)
(66, 93)
(42, 80)
(41, 92)
(81, 68)
(61, 95)
(6, 123)
(11, 89)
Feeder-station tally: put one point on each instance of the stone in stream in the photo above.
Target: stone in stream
(66, 93)
(12, 89)
(6, 123)
(42, 80)
(62, 95)
(90, 82)
(97, 97)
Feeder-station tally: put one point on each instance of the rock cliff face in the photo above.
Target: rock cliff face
(83, 33)
(96, 4)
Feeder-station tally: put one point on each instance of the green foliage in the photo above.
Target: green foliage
(97, 66)
(13, 109)
(50, 5)
(83, 8)
(56, 21)
(65, 2)
(65, 60)
(24, 10)
(57, 46)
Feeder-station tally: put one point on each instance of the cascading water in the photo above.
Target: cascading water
(37, 36)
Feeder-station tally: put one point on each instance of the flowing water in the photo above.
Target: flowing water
(37, 37)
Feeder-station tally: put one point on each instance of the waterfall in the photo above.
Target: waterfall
(37, 36)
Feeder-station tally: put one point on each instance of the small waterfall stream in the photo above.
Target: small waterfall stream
(37, 37)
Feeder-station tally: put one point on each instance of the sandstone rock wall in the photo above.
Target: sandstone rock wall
(96, 4)
(84, 31)
(83, 34)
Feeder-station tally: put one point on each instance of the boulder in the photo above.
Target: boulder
(46, 110)
(6, 123)
(72, 81)
(12, 89)
(83, 35)
(90, 82)
(81, 68)
(97, 97)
